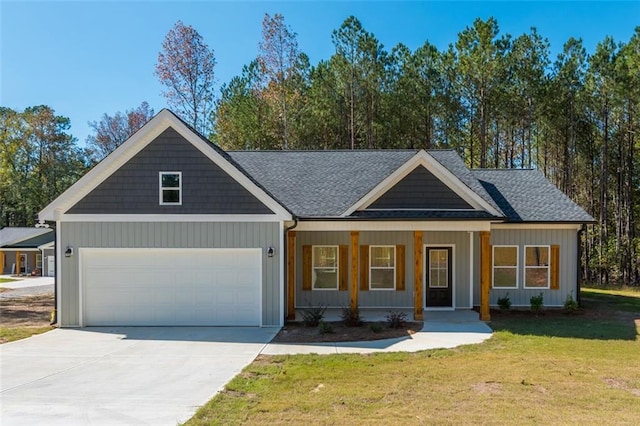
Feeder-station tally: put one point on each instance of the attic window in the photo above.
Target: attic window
(170, 188)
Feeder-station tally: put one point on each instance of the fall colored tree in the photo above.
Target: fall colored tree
(185, 67)
(112, 130)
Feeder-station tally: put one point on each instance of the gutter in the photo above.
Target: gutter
(284, 250)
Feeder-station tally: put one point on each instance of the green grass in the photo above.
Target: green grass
(552, 369)
(7, 280)
(16, 333)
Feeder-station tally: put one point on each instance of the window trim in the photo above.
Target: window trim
(162, 189)
(429, 269)
(548, 267)
(314, 267)
(39, 257)
(371, 268)
(493, 267)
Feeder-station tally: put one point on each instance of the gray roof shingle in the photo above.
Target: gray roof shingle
(527, 196)
(22, 236)
(326, 183)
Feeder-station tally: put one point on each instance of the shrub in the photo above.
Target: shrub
(396, 319)
(376, 327)
(570, 305)
(504, 303)
(312, 316)
(537, 302)
(351, 316)
(325, 327)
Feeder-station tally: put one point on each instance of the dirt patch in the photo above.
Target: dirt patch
(491, 388)
(615, 383)
(295, 332)
(30, 311)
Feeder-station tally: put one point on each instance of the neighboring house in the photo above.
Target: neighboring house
(27, 251)
(171, 230)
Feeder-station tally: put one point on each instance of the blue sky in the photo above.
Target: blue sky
(87, 58)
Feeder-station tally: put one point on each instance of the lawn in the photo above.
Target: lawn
(7, 280)
(551, 369)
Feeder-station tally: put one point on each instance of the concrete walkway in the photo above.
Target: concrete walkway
(441, 330)
(22, 282)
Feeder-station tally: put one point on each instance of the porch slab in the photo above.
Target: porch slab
(441, 330)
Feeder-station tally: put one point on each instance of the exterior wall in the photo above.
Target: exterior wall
(384, 299)
(134, 187)
(45, 265)
(420, 189)
(171, 235)
(565, 238)
(10, 260)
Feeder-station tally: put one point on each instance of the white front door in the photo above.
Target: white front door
(51, 266)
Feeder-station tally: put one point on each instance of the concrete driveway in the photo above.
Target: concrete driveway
(121, 375)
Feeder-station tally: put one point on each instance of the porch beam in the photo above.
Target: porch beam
(291, 275)
(417, 276)
(485, 275)
(17, 271)
(355, 237)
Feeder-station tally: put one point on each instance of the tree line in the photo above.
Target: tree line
(501, 101)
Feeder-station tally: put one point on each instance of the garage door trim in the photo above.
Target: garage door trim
(83, 251)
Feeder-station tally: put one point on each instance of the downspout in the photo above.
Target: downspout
(286, 244)
(579, 263)
(54, 313)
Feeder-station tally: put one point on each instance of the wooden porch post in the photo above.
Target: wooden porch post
(485, 275)
(291, 275)
(1, 261)
(355, 237)
(417, 276)
(18, 263)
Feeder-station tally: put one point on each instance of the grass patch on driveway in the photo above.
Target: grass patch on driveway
(16, 333)
(550, 369)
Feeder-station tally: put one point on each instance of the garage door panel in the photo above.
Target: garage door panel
(171, 286)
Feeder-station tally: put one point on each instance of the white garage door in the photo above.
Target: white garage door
(171, 286)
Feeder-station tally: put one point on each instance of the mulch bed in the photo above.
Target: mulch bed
(296, 332)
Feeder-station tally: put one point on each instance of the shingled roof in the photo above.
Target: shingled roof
(527, 196)
(321, 184)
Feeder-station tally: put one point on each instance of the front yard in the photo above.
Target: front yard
(552, 369)
(25, 316)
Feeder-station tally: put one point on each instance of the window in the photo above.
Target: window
(536, 266)
(325, 267)
(382, 267)
(170, 188)
(438, 268)
(39, 261)
(505, 267)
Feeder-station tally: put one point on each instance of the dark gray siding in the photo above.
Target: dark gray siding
(420, 189)
(171, 235)
(134, 188)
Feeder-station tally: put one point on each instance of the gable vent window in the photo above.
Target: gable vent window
(170, 188)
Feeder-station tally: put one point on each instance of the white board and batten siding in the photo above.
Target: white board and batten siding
(159, 245)
(565, 238)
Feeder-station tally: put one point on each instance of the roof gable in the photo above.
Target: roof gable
(138, 142)
(420, 190)
(450, 184)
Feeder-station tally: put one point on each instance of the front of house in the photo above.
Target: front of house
(171, 230)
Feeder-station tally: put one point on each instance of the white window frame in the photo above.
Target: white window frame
(429, 269)
(493, 264)
(314, 267)
(548, 267)
(162, 189)
(39, 261)
(395, 265)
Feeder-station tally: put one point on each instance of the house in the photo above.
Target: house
(27, 251)
(170, 229)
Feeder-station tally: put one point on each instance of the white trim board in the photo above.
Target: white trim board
(132, 146)
(424, 159)
(168, 218)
